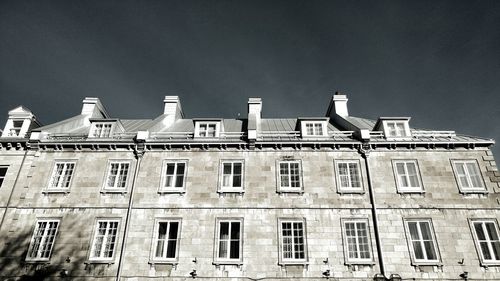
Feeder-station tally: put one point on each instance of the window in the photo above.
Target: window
(396, 129)
(293, 246)
(61, 175)
(232, 176)
(16, 128)
(166, 240)
(174, 175)
(407, 176)
(3, 172)
(102, 130)
(313, 128)
(229, 244)
(116, 178)
(487, 241)
(468, 175)
(423, 247)
(357, 246)
(289, 176)
(207, 129)
(348, 176)
(104, 242)
(42, 241)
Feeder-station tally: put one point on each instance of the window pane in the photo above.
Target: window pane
(224, 230)
(429, 249)
(174, 227)
(425, 229)
(412, 226)
(496, 250)
(491, 229)
(235, 250)
(485, 250)
(3, 171)
(417, 248)
(479, 231)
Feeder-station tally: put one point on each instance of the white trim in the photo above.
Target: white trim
(421, 241)
(106, 187)
(52, 186)
(348, 189)
(289, 187)
(489, 241)
(347, 258)
(321, 131)
(231, 187)
(396, 133)
(217, 240)
(198, 131)
(281, 244)
(406, 175)
(468, 176)
(104, 240)
(43, 241)
(102, 132)
(156, 228)
(163, 180)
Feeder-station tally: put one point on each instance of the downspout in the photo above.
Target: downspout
(365, 153)
(13, 187)
(138, 152)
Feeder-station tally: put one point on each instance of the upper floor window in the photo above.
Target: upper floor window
(173, 176)
(3, 172)
(229, 243)
(348, 176)
(166, 240)
(423, 245)
(15, 130)
(42, 240)
(62, 174)
(357, 245)
(468, 175)
(105, 239)
(207, 129)
(290, 176)
(394, 127)
(116, 178)
(487, 241)
(232, 176)
(313, 128)
(293, 247)
(101, 130)
(407, 175)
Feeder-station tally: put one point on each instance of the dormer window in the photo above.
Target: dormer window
(394, 127)
(16, 128)
(101, 130)
(207, 129)
(313, 128)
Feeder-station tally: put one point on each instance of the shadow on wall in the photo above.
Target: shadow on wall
(64, 261)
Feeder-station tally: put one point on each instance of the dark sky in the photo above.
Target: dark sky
(436, 61)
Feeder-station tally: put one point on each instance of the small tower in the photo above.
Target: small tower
(21, 120)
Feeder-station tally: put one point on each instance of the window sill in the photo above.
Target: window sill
(299, 192)
(169, 191)
(409, 192)
(342, 192)
(490, 264)
(292, 263)
(108, 262)
(222, 191)
(108, 191)
(238, 263)
(55, 191)
(427, 263)
(37, 261)
(172, 262)
(466, 192)
(370, 263)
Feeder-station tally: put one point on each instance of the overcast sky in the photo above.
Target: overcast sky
(436, 61)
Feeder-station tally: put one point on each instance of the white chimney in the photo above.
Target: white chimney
(255, 107)
(254, 116)
(339, 105)
(93, 108)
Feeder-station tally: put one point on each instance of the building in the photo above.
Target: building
(304, 198)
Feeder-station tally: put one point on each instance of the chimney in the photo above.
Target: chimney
(172, 110)
(338, 105)
(254, 116)
(93, 108)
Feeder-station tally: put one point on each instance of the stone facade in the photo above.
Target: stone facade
(320, 203)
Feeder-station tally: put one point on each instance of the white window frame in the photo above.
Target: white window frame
(282, 259)
(154, 258)
(2, 178)
(16, 131)
(348, 189)
(470, 188)
(231, 187)
(104, 240)
(289, 188)
(489, 241)
(114, 188)
(322, 125)
(228, 259)
(347, 258)
(199, 124)
(406, 175)
(163, 181)
(425, 261)
(43, 240)
(51, 187)
(404, 133)
(101, 134)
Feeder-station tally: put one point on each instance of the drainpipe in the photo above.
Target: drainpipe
(365, 153)
(138, 152)
(13, 187)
